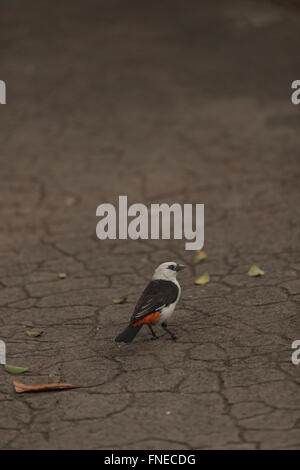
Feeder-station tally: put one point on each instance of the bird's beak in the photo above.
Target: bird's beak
(180, 267)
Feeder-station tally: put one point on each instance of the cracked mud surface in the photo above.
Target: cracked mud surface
(165, 104)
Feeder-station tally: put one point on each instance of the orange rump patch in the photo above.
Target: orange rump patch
(148, 319)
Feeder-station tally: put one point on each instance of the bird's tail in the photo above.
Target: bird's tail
(128, 334)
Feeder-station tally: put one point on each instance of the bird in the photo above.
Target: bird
(156, 304)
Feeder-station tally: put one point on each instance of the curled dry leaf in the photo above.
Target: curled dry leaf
(62, 275)
(122, 300)
(202, 280)
(34, 333)
(22, 388)
(255, 271)
(199, 256)
(15, 369)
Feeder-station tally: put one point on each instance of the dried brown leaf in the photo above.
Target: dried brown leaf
(22, 388)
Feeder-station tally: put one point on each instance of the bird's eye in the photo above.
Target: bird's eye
(171, 266)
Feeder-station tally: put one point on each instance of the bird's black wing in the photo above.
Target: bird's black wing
(157, 295)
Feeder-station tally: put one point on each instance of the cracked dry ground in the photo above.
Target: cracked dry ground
(109, 100)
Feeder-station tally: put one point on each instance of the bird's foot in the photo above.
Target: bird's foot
(153, 338)
(174, 336)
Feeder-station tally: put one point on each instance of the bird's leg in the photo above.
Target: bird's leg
(154, 335)
(171, 333)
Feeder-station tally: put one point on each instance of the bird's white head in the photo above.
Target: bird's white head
(167, 271)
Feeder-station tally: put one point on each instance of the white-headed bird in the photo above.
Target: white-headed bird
(156, 304)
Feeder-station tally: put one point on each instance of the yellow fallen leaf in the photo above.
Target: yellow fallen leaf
(255, 271)
(62, 275)
(22, 388)
(34, 333)
(122, 300)
(15, 369)
(202, 280)
(199, 256)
